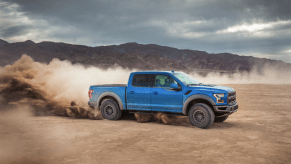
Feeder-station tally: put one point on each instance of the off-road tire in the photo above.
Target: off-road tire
(220, 119)
(110, 110)
(201, 115)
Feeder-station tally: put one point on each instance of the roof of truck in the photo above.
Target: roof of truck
(157, 72)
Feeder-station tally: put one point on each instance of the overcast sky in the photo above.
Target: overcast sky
(260, 28)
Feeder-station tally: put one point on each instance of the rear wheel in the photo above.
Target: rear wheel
(110, 110)
(220, 119)
(201, 116)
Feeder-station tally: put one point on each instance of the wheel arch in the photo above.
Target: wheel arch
(197, 98)
(111, 95)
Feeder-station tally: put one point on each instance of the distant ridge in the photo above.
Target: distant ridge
(134, 55)
(3, 42)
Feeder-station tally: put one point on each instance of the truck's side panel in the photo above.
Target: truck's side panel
(201, 91)
(163, 98)
(166, 100)
(187, 99)
(138, 96)
(98, 90)
(152, 98)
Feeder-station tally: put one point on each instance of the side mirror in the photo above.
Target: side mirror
(174, 86)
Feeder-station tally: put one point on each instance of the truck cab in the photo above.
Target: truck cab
(168, 92)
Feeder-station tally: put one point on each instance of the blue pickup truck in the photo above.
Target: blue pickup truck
(169, 92)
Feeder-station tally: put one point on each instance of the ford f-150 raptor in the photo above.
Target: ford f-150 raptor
(168, 92)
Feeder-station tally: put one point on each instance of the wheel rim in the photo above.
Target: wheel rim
(199, 116)
(108, 110)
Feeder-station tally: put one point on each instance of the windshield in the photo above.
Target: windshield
(186, 79)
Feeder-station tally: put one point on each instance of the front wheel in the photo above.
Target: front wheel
(110, 110)
(201, 116)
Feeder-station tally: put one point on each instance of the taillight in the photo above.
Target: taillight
(90, 93)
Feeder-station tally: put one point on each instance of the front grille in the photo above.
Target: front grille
(231, 97)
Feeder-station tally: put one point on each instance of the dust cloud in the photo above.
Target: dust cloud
(52, 88)
(158, 117)
(23, 141)
(13, 146)
(61, 88)
(268, 74)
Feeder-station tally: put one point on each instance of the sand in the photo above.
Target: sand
(260, 132)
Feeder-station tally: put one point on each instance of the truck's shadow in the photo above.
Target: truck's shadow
(166, 120)
(174, 121)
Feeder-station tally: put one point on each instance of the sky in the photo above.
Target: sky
(259, 28)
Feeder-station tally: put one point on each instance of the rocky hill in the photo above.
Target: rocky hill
(133, 55)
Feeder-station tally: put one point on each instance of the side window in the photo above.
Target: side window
(140, 80)
(164, 81)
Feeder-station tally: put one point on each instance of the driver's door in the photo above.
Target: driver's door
(163, 98)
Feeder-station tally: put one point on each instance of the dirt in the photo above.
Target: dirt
(259, 132)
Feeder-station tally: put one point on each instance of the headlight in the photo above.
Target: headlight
(218, 97)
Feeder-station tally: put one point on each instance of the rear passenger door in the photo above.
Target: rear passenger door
(163, 98)
(138, 93)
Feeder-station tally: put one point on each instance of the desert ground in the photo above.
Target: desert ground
(259, 132)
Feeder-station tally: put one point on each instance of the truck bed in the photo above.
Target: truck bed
(118, 89)
(110, 85)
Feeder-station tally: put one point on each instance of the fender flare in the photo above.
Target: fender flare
(112, 94)
(196, 96)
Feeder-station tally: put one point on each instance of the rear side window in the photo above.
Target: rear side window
(141, 80)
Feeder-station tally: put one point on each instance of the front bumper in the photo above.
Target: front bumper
(228, 108)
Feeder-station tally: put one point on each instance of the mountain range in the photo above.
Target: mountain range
(134, 55)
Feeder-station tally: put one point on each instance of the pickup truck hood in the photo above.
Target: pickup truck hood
(212, 88)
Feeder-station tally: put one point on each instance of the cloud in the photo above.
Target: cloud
(14, 31)
(240, 26)
(16, 26)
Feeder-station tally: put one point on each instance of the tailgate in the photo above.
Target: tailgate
(100, 91)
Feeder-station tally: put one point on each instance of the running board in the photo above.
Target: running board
(153, 112)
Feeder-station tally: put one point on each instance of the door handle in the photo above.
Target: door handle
(131, 92)
(155, 93)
